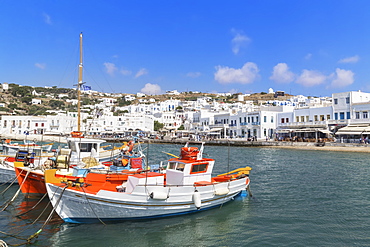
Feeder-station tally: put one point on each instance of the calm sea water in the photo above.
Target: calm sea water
(300, 198)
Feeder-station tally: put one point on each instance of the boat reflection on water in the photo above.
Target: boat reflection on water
(25, 217)
(31, 210)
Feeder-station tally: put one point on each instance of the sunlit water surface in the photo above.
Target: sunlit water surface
(300, 198)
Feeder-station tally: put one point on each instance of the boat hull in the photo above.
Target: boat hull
(77, 206)
(7, 174)
(31, 182)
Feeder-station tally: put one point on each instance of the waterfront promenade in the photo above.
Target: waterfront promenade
(329, 146)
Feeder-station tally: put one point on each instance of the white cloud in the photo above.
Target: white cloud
(310, 78)
(342, 78)
(40, 65)
(233, 91)
(282, 74)
(239, 40)
(47, 19)
(353, 59)
(193, 74)
(110, 68)
(247, 74)
(141, 72)
(151, 89)
(125, 72)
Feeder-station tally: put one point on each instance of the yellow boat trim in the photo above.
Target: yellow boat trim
(240, 171)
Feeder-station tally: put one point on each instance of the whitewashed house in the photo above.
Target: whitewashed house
(36, 102)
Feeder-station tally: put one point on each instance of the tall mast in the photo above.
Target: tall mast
(79, 88)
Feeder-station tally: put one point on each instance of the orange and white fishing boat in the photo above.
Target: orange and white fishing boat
(81, 153)
(31, 175)
(187, 186)
(27, 156)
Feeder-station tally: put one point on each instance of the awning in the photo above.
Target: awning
(326, 131)
(303, 130)
(213, 133)
(283, 131)
(216, 129)
(354, 130)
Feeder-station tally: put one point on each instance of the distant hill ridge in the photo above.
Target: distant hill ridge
(28, 100)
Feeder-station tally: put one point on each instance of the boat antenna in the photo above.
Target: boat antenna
(147, 155)
(228, 155)
(80, 83)
(146, 164)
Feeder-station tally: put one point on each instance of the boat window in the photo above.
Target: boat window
(180, 167)
(172, 165)
(200, 167)
(86, 147)
(71, 146)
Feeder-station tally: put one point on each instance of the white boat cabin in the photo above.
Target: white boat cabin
(84, 147)
(187, 170)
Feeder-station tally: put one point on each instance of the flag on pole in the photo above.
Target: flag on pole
(86, 88)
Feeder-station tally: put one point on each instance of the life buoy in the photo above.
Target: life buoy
(77, 134)
(189, 153)
(130, 146)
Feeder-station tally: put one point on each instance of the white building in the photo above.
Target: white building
(5, 86)
(129, 97)
(120, 124)
(38, 124)
(36, 102)
(173, 92)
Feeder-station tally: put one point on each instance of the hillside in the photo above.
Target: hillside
(18, 99)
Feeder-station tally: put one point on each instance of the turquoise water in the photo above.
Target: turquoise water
(300, 198)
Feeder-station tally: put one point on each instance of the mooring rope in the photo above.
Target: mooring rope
(16, 194)
(36, 234)
(14, 179)
(92, 207)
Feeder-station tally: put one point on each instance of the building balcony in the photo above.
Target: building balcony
(315, 124)
(218, 125)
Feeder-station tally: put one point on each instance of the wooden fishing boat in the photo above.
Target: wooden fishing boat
(186, 187)
(27, 156)
(79, 148)
(31, 177)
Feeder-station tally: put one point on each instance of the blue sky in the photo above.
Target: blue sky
(309, 47)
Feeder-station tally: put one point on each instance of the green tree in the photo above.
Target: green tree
(12, 106)
(123, 102)
(23, 91)
(37, 110)
(56, 103)
(26, 100)
(157, 125)
(181, 127)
